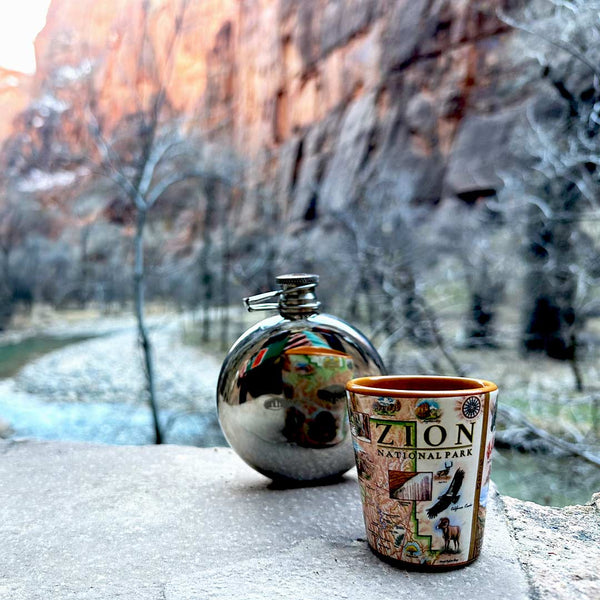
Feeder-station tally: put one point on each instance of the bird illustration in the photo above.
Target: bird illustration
(450, 496)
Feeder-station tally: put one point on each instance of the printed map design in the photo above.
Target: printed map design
(419, 477)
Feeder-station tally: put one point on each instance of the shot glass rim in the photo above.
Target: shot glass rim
(368, 386)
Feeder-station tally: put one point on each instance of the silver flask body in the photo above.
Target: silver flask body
(281, 392)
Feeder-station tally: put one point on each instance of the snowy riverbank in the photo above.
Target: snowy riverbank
(94, 390)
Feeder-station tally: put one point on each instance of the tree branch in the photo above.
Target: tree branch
(568, 48)
(516, 415)
(164, 184)
(157, 152)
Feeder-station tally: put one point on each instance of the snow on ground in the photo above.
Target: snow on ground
(110, 369)
(95, 390)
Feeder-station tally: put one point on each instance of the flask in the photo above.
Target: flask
(281, 390)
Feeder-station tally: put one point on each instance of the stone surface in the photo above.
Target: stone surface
(559, 547)
(5, 429)
(14, 95)
(481, 145)
(102, 522)
(348, 154)
(403, 34)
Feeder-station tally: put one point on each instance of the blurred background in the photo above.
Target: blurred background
(436, 162)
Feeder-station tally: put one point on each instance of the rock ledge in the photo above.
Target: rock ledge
(176, 522)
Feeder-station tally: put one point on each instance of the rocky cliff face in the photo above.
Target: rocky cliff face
(346, 95)
(15, 92)
(327, 101)
(124, 41)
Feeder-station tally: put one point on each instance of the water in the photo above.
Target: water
(101, 422)
(15, 355)
(545, 479)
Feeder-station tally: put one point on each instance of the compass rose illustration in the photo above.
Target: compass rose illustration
(471, 407)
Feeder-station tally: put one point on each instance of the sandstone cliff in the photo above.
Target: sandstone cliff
(15, 93)
(322, 94)
(330, 104)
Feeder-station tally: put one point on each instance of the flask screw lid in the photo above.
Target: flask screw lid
(297, 279)
(295, 298)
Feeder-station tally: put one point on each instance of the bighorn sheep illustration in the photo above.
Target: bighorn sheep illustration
(451, 533)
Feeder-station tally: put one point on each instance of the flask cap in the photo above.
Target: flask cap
(297, 279)
(295, 299)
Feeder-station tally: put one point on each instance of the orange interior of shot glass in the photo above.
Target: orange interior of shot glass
(409, 386)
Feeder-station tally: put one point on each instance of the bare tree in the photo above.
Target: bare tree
(387, 255)
(21, 221)
(562, 185)
(206, 274)
(150, 151)
(135, 166)
(12, 232)
(474, 235)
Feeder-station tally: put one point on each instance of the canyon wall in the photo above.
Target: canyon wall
(326, 102)
(319, 91)
(15, 94)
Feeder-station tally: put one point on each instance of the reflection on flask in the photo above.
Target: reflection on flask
(281, 396)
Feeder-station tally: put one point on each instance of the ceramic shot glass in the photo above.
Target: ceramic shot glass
(423, 448)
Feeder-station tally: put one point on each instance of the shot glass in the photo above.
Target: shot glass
(423, 447)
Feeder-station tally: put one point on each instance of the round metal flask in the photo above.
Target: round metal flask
(281, 397)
